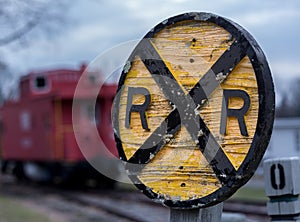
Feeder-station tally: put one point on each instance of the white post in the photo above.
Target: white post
(282, 186)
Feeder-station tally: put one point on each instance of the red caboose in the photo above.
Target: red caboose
(37, 137)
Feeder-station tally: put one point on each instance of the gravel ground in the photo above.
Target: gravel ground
(59, 207)
(53, 205)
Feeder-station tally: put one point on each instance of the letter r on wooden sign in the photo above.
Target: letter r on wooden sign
(140, 108)
(238, 113)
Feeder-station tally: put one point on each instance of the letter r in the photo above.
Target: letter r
(238, 113)
(140, 108)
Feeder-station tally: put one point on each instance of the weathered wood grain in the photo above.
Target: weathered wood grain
(179, 170)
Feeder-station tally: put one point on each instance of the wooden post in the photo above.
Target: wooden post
(209, 214)
(212, 214)
(282, 176)
(192, 215)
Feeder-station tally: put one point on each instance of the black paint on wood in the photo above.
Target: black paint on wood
(140, 108)
(245, 45)
(238, 113)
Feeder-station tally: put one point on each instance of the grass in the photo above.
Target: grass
(12, 211)
(250, 194)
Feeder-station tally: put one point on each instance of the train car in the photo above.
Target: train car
(37, 131)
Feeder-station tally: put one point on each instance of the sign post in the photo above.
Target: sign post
(213, 213)
(282, 176)
(194, 110)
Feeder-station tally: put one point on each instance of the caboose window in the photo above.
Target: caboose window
(40, 82)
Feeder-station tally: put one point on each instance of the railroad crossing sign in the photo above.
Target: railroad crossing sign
(194, 110)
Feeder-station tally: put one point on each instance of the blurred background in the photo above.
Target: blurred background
(41, 33)
(44, 34)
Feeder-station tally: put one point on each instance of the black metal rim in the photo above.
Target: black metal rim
(265, 114)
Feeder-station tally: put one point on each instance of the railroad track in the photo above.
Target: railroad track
(124, 208)
(119, 204)
(136, 207)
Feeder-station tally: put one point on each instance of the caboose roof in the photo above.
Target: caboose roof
(62, 83)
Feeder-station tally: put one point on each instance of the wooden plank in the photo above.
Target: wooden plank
(180, 166)
(190, 133)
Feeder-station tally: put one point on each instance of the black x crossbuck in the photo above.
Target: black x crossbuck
(185, 106)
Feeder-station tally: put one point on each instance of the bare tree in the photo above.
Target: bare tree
(284, 108)
(23, 21)
(19, 17)
(290, 101)
(294, 95)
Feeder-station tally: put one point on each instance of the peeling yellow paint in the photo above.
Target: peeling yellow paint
(179, 170)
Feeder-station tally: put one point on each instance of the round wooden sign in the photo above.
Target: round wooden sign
(194, 110)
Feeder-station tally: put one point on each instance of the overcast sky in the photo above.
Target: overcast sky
(97, 25)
